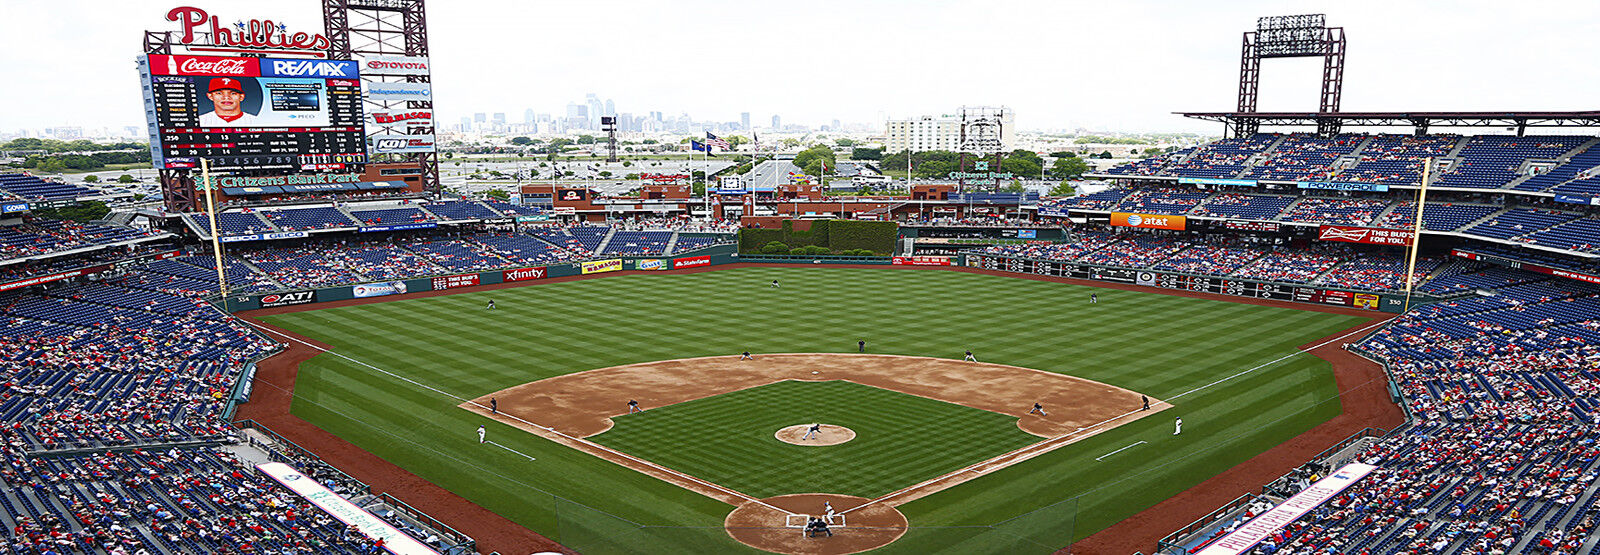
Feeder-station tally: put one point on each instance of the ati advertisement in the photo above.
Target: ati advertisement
(598, 266)
(452, 282)
(288, 299)
(691, 262)
(1366, 235)
(1147, 221)
(379, 289)
(524, 274)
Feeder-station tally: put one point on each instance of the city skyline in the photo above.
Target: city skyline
(1119, 67)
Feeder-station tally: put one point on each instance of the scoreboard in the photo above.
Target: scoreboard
(253, 113)
(1186, 282)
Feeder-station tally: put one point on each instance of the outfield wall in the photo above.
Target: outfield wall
(1386, 302)
(1368, 300)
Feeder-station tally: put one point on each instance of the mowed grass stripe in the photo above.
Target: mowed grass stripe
(1159, 344)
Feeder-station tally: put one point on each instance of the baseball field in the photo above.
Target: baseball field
(398, 374)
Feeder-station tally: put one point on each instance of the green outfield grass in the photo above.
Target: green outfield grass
(900, 439)
(1157, 344)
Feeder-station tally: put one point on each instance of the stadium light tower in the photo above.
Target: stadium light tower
(1292, 36)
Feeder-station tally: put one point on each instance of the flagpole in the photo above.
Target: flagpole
(216, 242)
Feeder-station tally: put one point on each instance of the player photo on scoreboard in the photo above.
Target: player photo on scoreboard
(261, 102)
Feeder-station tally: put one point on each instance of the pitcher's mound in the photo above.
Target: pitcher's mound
(828, 435)
(765, 524)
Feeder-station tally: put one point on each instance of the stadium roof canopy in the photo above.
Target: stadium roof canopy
(1421, 120)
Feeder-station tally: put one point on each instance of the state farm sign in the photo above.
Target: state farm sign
(1366, 235)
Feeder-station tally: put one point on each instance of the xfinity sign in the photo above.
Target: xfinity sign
(332, 69)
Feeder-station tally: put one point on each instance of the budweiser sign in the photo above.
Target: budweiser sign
(1366, 235)
(397, 118)
(204, 65)
(251, 34)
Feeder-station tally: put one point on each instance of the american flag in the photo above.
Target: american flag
(716, 142)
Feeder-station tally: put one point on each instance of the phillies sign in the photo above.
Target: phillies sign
(1365, 235)
(253, 34)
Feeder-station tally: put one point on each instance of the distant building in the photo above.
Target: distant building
(777, 122)
(744, 121)
(937, 133)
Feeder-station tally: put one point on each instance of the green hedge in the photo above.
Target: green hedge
(835, 235)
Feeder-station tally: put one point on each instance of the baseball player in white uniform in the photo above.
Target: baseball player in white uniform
(481, 433)
(1178, 426)
(815, 429)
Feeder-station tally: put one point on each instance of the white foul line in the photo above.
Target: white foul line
(972, 468)
(1097, 459)
(511, 450)
(552, 430)
(1283, 358)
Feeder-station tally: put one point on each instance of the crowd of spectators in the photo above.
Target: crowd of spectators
(1501, 453)
(40, 236)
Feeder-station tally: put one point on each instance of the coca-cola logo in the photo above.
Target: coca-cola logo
(385, 64)
(222, 66)
(254, 33)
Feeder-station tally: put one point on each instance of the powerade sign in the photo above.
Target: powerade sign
(326, 69)
(13, 207)
(288, 299)
(1342, 186)
(1211, 181)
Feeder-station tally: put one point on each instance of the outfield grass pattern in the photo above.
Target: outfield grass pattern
(1158, 344)
(900, 439)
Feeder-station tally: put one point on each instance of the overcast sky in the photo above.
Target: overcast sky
(1122, 65)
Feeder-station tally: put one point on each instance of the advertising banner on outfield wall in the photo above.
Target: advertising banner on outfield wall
(524, 274)
(650, 264)
(452, 282)
(288, 299)
(691, 262)
(1148, 221)
(1260, 527)
(598, 266)
(306, 487)
(1366, 235)
(378, 289)
(921, 261)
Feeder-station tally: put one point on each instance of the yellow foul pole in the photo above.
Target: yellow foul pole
(1416, 231)
(216, 242)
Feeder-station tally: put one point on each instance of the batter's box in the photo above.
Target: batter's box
(834, 520)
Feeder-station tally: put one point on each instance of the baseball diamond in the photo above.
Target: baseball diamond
(397, 369)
